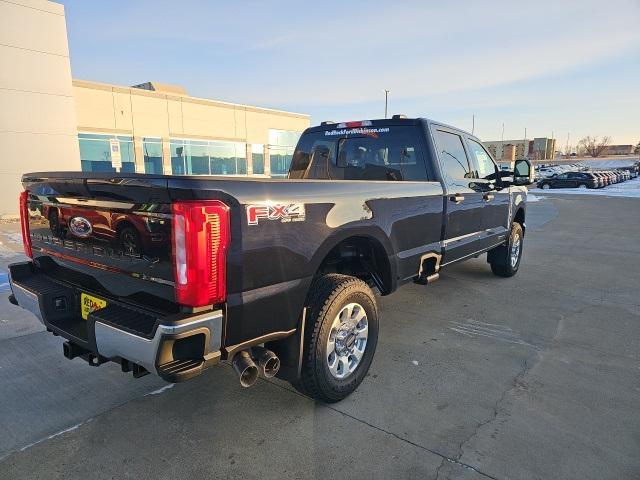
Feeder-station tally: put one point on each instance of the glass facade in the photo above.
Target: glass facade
(95, 152)
(152, 151)
(203, 157)
(282, 143)
(257, 158)
(190, 157)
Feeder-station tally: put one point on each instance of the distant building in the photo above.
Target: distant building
(508, 150)
(543, 149)
(618, 150)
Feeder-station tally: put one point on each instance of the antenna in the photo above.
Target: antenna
(386, 102)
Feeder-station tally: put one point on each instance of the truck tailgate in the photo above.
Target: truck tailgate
(113, 235)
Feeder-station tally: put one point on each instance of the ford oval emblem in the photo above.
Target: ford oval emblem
(80, 227)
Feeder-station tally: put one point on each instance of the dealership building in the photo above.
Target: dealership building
(48, 121)
(162, 130)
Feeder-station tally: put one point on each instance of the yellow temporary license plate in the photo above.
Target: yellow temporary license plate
(89, 304)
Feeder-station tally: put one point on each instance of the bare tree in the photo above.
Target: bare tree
(637, 149)
(594, 146)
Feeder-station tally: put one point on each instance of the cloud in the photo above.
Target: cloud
(434, 50)
(333, 57)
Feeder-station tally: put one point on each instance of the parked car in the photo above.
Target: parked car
(570, 180)
(603, 178)
(275, 276)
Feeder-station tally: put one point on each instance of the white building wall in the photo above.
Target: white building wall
(38, 129)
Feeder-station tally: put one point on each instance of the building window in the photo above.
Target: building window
(202, 157)
(152, 150)
(257, 158)
(197, 158)
(282, 143)
(177, 157)
(95, 152)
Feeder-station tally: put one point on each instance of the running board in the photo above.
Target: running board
(429, 268)
(429, 279)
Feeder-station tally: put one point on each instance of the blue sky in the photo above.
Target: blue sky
(561, 67)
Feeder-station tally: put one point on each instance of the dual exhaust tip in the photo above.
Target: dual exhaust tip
(255, 361)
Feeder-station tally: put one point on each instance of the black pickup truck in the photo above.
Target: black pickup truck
(173, 274)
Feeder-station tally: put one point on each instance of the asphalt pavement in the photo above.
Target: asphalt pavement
(475, 377)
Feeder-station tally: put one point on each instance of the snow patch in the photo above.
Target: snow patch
(415, 362)
(534, 198)
(14, 237)
(161, 390)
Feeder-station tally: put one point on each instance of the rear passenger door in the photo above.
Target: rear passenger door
(462, 202)
(496, 198)
(562, 181)
(576, 179)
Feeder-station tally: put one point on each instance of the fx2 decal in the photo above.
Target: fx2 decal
(285, 212)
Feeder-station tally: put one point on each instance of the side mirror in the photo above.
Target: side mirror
(523, 173)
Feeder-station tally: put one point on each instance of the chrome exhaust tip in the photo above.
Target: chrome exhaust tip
(268, 362)
(245, 368)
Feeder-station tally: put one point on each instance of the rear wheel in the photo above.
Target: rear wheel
(583, 186)
(340, 338)
(54, 222)
(546, 186)
(505, 259)
(129, 241)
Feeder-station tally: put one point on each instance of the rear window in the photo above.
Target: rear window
(385, 153)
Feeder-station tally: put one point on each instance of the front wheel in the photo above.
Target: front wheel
(505, 259)
(546, 186)
(340, 338)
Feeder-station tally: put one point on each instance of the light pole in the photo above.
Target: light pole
(386, 102)
(473, 123)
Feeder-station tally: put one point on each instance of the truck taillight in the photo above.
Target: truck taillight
(201, 236)
(361, 123)
(24, 224)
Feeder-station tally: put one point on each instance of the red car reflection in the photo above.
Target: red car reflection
(132, 233)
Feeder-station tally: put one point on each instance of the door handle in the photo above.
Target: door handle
(488, 196)
(457, 198)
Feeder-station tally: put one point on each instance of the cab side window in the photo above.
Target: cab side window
(312, 156)
(453, 159)
(487, 169)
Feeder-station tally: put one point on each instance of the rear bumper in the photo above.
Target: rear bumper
(175, 347)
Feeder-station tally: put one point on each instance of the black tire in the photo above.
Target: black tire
(129, 241)
(328, 296)
(500, 258)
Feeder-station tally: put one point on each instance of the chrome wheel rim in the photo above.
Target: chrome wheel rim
(515, 251)
(347, 340)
